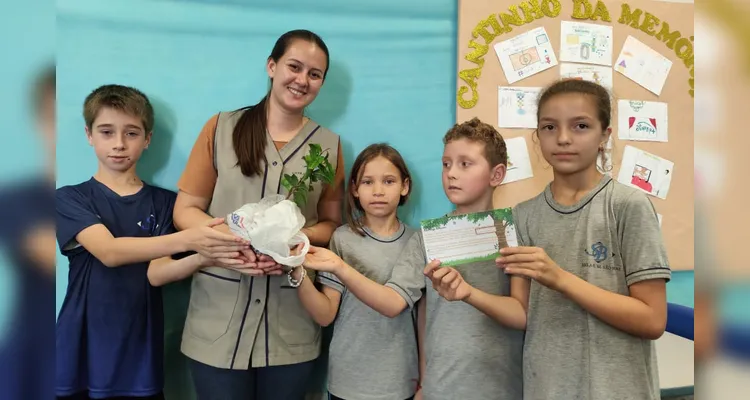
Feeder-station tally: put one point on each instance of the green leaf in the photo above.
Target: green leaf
(476, 217)
(315, 150)
(300, 197)
(285, 182)
(293, 180)
(317, 169)
(320, 175)
(434, 223)
(330, 173)
(314, 164)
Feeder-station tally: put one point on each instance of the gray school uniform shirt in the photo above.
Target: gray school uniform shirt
(371, 356)
(468, 355)
(611, 239)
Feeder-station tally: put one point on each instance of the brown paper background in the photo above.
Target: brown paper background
(678, 209)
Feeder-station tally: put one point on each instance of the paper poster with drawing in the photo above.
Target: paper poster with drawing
(467, 238)
(592, 73)
(645, 171)
(643, 65)
(526, 54)
(519, 163)
(517, 106)
(581, 42)
(642, 120)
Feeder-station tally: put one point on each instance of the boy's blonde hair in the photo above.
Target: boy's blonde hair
(475, 130)
(126, 99)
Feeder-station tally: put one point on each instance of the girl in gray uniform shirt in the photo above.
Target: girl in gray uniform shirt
(593, 252)
(371, 356)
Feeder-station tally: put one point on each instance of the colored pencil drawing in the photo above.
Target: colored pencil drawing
(525, 54)
(524, 58)
(643, 65)
(581, 42)
(593, 73)
(519, 163)
(642, 121)
(645, 171)
(517, 106)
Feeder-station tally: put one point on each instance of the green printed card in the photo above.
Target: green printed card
(466, 238)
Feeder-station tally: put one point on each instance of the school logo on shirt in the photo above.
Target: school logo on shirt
(149, 224)
(598, 251)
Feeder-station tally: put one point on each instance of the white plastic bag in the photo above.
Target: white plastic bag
(273, 228)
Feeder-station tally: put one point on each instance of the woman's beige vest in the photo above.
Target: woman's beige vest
(237, 321)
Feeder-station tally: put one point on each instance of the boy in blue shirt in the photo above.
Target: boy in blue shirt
(27, 235)
(117, 233)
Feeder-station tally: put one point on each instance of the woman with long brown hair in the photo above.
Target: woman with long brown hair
(246, 333)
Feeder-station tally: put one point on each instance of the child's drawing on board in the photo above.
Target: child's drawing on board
(646, 171)
(641, 177)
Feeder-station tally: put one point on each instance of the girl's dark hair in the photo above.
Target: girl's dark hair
(596, 92)
(249, 135)
(354, 208)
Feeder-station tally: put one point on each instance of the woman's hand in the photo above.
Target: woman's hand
(262, 264)
(534, 263)
(255, 264)
(320, 259)
(271, 267)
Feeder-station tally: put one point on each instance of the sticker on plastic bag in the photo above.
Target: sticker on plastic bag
(272, 226)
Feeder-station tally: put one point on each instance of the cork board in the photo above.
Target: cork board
(666, 28)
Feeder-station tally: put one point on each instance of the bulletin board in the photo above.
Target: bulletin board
(666, 28)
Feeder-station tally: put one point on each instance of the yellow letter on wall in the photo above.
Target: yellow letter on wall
(582, 9)
(630, 18)
(600, 12)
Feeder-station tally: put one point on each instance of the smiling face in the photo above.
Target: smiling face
(297, 75)
(118, 139)
(380, 188)
(570, 133)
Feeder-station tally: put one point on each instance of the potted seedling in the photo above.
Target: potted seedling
(273, 225)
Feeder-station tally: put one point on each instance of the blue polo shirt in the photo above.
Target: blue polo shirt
(110, 329)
